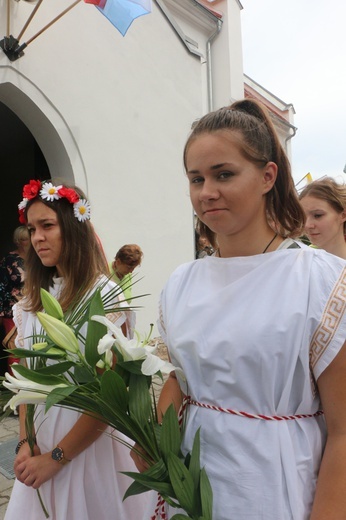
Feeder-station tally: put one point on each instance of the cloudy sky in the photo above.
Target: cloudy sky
(296, 49)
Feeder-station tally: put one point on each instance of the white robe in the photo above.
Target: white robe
(90, 487)
(246, 332)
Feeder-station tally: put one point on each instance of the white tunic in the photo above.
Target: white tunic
(91, 486)
(246, 331)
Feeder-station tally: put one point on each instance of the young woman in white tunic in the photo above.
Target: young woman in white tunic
(65, 258)
(324, 204)
(259, 331)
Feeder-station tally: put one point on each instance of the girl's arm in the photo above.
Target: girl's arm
(330, 498)
(34, 471)
(170, 394)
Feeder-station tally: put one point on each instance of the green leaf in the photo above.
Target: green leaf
(182, 483)
(38, 377)
(206, 493)
(194, 463)
(25, 353)
(58, 395)
(95, 330)
(156, 473)
(83, 375)
(133, 367)
(114, 391)
(170, 439)
(57, 368)
(139, 397)
(179, 516)
(135, 489)
(161, 487)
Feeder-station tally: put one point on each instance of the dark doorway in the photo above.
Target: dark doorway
(21, 159)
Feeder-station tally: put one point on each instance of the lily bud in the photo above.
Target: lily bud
(51, 351)
(51, 305)
(59, 332)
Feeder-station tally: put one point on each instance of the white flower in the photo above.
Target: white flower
(105, 343)
(25, 397)
(22, 205)
(105, 347)
(132, 350)
(82, 209)
(50, 192)
(26, 391)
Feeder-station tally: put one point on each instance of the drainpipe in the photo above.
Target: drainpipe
(287, 107)
(294, 128)
(209, 66)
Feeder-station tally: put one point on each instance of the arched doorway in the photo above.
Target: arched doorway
(21, 159)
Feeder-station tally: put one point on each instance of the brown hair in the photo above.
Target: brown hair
(330, 191)
(82, 260)
(130, 254)
(259, 144)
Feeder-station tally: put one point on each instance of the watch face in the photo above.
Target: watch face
(57, 454)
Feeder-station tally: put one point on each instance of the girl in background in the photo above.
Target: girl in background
(324, 204)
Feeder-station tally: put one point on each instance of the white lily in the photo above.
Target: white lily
(27, 391)
(24, 397)
(132, 349)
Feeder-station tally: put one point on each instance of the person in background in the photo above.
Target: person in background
(259, 332)
(12, 280)
(76, 463)
(12, 276)
(203, 247)
(324, 204)
(125, 262)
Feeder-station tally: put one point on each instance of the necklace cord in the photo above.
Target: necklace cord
(270, 243)
(217, 252)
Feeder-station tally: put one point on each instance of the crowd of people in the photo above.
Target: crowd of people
(256, 323)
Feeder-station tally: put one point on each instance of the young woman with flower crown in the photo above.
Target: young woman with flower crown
(259, 331)
(75, 463)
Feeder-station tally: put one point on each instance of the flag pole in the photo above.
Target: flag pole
(29, 19)
(8, 19)
(50, 23)
(301, 180)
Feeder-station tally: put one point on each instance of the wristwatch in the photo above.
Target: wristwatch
(58, 455)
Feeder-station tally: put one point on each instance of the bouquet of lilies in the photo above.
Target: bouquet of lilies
(112, 378)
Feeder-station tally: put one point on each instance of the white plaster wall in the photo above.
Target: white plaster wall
(122, 109)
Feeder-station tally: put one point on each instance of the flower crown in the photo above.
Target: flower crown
(47, 191)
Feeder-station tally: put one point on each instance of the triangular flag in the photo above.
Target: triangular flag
(121, 13)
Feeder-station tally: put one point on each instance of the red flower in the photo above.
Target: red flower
(22, 218)
(31, 190)
(69, 194)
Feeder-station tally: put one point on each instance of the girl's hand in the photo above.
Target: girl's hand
(141, 464)
(24, 453)
(36, 470)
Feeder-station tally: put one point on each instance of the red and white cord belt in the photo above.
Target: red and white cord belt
(251, 415)
(160, 510)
